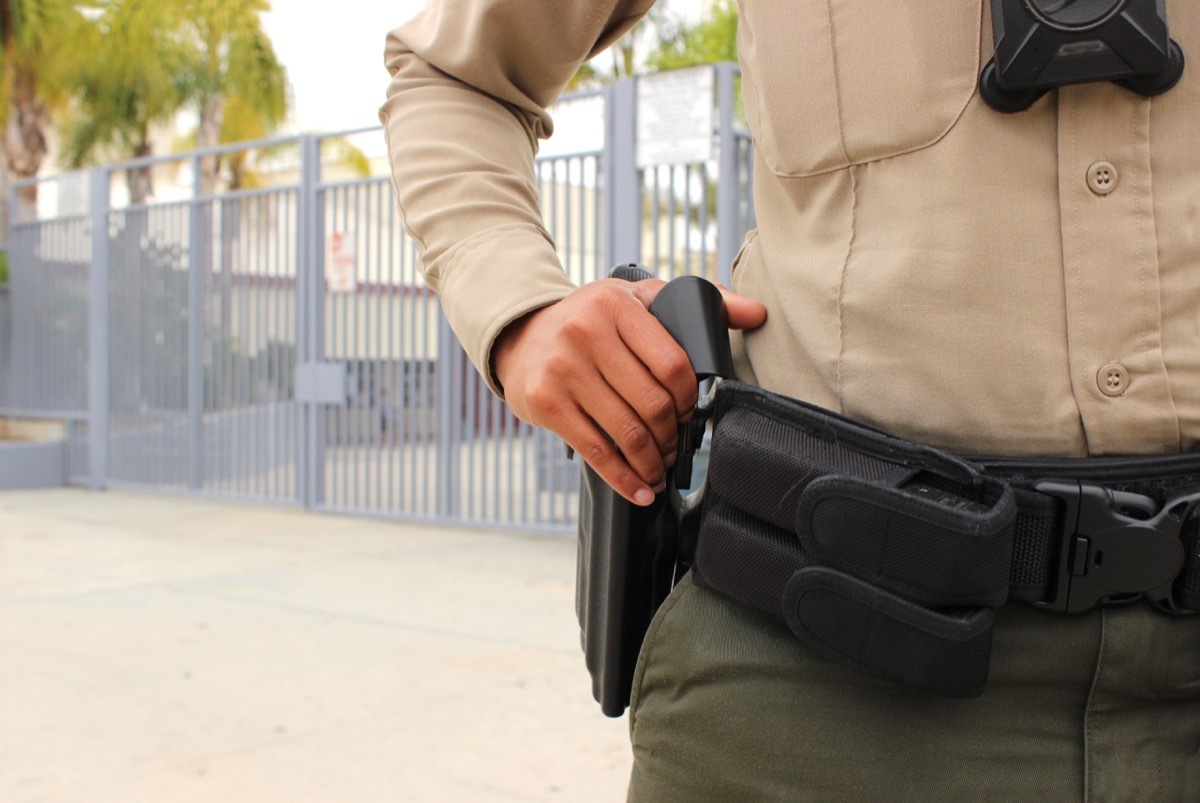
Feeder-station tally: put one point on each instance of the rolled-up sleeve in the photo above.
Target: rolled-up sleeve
(471, 82)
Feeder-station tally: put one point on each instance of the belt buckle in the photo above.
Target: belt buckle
(1108, 556)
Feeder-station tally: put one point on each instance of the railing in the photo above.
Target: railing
(279, 342)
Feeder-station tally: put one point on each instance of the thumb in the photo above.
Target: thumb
(743, 312)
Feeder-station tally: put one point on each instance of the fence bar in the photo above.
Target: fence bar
(622, 188)
(98, 332)
(450, 373)
(310, 336)
(198, 246)
(729, 232)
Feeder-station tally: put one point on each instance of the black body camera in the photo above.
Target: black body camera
(1042, 44)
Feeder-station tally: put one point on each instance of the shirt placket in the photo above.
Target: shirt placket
(1111, 272)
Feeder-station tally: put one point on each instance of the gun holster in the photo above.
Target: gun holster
(631, 556)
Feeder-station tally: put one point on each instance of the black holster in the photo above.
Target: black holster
(629, 558)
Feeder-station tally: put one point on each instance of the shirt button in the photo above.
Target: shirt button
(1113, 379)
(1102, 178)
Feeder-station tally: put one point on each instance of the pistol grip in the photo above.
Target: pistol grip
(692, 310)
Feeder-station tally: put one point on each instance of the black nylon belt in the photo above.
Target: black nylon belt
(893, 556)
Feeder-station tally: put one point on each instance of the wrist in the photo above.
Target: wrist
(504, 347)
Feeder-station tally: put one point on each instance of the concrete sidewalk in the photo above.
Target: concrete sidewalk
(167, 649)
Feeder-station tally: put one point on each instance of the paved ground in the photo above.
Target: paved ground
(167, 649)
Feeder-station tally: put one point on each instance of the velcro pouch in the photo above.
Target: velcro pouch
(883, 553)
(944, 651)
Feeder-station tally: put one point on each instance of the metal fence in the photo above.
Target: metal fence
(279, 343)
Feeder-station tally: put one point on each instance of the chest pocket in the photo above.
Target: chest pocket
(831, 83)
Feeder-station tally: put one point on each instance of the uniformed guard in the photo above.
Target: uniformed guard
(965, 406)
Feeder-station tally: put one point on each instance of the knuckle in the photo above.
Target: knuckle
(635, 437)
(544, 399)
(659, 406)
(613, 300)
(677, 368)
(537, 395)
(576, 329)
(596, 452)
(554, 367)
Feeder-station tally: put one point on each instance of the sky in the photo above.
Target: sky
(333, 53)
(334, 56)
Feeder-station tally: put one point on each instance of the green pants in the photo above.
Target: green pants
(729, 706)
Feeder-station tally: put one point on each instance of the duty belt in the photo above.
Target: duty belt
(885, 554)
(893, 556)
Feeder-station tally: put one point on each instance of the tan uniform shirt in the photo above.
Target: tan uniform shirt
(989, 283)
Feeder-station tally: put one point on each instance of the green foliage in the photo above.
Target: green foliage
(38, 39)
(152, 59)
(664, 41)
(233, 56)
(37, 36)
(341, 151)
(711, 41)
(3, 267)
(622, 59)
(26, 24)
(136, 75)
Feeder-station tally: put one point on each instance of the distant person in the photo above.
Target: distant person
(387, 417)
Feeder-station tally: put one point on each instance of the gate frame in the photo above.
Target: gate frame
(621, 189)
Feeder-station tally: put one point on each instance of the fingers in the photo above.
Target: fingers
(653, 407)
(650, 385)
(665, 359)
(567, 368)
(605, 457)
(601, 372)
(664, 365)
(646, 290)
(742, 312)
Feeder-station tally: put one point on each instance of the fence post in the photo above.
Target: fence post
(450, 374)
(99, 397)
(729, 228)
(622, 182)
(310, 321)
(197, 266)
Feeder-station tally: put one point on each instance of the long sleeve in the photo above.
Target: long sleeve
(471, 82)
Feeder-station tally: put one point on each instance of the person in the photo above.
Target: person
(984, 283)
(387, 418)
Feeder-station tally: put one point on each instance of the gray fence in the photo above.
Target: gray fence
(279, 343)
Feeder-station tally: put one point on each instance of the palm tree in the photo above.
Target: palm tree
(135, 77)
(154, 58)
(36, 36)
(238, 85)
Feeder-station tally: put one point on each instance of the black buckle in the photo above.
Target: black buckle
(1116, 547)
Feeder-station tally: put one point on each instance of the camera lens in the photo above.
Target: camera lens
(1075, 13)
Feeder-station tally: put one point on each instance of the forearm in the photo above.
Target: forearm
(471, 80)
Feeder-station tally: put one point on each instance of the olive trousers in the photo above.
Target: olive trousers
(729, 706)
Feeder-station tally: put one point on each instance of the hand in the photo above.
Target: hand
(600, 371)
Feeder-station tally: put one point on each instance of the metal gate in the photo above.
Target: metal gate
(279, 343)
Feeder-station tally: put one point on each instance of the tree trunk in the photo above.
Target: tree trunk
(141, 179)
(5, 231)
(24, 135)
(209, 136)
